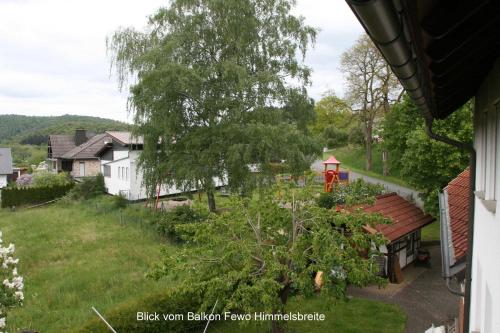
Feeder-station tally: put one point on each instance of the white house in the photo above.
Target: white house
(445, 53)
(5, 166)
(119, 165)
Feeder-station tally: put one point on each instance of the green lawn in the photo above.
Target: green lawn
(431, 232)
(354, 316)
(353, 158)
(72, 258)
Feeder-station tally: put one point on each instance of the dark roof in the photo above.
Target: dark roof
(440, 50)
(405, 216)
(88, 149)
(60, 144)
(5, 161)
(458, 191)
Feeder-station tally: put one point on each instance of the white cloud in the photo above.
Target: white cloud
(53, 59)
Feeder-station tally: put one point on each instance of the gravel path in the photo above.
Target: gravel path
(407, 193)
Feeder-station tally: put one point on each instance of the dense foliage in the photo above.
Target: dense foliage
(254, 256)
(426, 164)
(168, 221)
(89, 187)
(33, 195)
(45, 178)
(356, 192)
(214, 89)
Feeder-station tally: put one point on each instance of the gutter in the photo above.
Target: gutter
(384, 22)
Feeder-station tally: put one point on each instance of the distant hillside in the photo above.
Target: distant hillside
(35, 130)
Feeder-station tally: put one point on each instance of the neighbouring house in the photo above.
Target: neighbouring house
(122, 175)
(403, 233)
(75, 154)
(5, 166)
(118, 160)
(444, 54)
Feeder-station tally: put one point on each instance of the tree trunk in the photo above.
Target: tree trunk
(280, 327)
(368, 146)
(211, 201)
(385, 161)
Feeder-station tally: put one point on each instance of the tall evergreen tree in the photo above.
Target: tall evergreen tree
(208, 78)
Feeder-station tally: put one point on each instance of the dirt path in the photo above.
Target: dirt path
(407, 193)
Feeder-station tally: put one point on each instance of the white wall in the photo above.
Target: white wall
(485, 284)
(3, 181)
(116, 184)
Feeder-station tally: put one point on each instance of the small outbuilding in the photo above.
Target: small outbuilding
(403, 234)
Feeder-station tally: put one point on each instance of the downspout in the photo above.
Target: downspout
(470, 231)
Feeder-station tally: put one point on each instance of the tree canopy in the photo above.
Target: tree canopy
(208, 79)
(426, 164)
(254, 256)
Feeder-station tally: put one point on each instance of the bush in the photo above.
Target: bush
(356, 192)
(90, 187)
(124, 317)
(33, 195)
(119, 201)
(357, 136)
(24, 180)
(335, 137)
(45, 178)
(179, 215)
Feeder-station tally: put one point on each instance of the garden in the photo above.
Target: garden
(100, 251)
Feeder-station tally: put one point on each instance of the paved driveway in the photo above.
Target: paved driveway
(423, 296)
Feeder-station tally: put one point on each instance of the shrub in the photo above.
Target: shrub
(45, 178)
(335, 137)
(124, 317)
(168, 221)
(32, 195)
(90, 187)
(24, 180)
(356, 192)
(119, 201)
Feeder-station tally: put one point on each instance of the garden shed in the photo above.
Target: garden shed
(403, 234)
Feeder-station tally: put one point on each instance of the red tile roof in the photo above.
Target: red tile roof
(405, 216)
(458, 209)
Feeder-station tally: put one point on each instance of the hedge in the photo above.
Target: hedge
(32, 195)
(124, 317)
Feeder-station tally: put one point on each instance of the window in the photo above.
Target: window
(119, 173)
(106, 171)
(126, 173)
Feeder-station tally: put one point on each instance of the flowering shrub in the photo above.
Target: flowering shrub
(11, 290)
(24, 180)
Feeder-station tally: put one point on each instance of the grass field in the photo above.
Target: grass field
(72, 258)
(75, 256)
(353, 158)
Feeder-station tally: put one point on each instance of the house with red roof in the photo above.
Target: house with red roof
(403, 234)
(454, 217)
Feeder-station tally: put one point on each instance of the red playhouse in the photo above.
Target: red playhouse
(332, 173)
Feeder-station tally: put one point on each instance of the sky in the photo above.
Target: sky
(53, 57)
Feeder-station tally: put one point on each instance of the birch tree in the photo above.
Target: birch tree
(208, 77)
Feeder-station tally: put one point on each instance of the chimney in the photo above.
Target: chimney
(80, 136)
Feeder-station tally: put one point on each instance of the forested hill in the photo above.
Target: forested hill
(35, 130)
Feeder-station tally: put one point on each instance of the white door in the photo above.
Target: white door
(82, 169)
